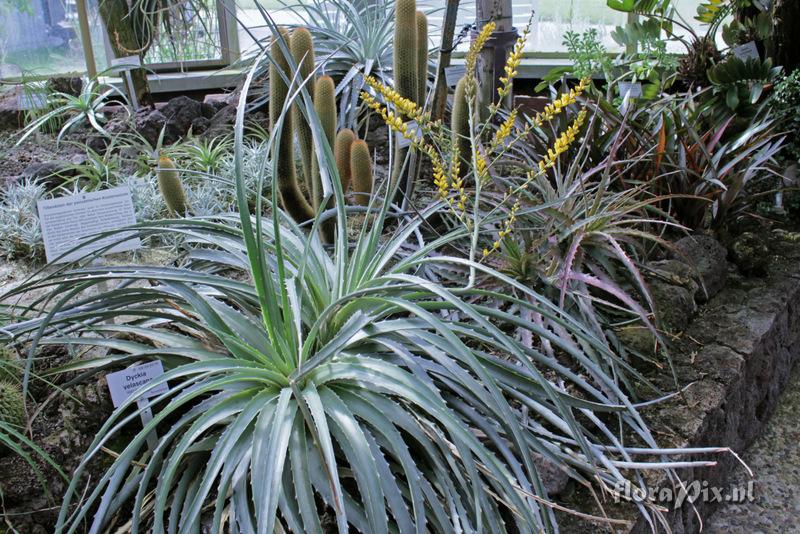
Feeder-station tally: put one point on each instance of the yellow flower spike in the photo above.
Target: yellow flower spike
(504, 131)
(512, 62)
(471, 59)
(558, 105)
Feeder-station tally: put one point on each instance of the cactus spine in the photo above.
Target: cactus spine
(422, 57)
(302, 48)
(12, 404)
(169, 183)
(459, 124)
(361, 171)
(344, 143)
(294, 202)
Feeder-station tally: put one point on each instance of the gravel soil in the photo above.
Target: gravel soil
(775, 460)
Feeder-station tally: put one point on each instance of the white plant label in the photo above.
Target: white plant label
(746, 51)
(123, 384)
(454, 73)
(630, 90)
(413, 128)
(67, 220)
(127, 382)
(127, 62)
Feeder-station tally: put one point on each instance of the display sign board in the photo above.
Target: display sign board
(67, 220)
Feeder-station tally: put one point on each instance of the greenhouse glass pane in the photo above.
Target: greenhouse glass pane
(687, 11)
(41, 37)
(251, 25)
(552, 18)
(194, 34)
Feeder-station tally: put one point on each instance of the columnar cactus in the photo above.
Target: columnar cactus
(294, 202)
(12, 404)
(422, 57)
(361, 171)
(302, 48)
(299, 206)
(169, 183)
(325, 106)
(410, 73)
(459, 124)
(344, 142)
(406, 72)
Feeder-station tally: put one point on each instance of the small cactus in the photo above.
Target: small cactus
(344, 143)
(169, 183)
(10, 366)
(302, 48)
(292, 198)
(422, 57)
(12, 404)
(459, 124)
(361, 171)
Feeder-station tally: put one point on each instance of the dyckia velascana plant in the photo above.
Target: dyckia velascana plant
(337, 382)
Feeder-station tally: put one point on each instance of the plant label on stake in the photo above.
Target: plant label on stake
(746, 51)
(65, 221)
(123, 384)
(127, 64)
(454, 73)
(629, 91)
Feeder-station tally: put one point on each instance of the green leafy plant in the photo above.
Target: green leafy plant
(19, 223)
(786, 99)
(75, 111)
(742, 82)
(707, 164)
(203, 155)
(587, 53)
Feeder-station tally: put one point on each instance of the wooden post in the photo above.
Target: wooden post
(86, 38)
(439, 101)
(492, 58)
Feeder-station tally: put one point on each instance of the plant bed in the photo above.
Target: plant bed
(733, 361)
